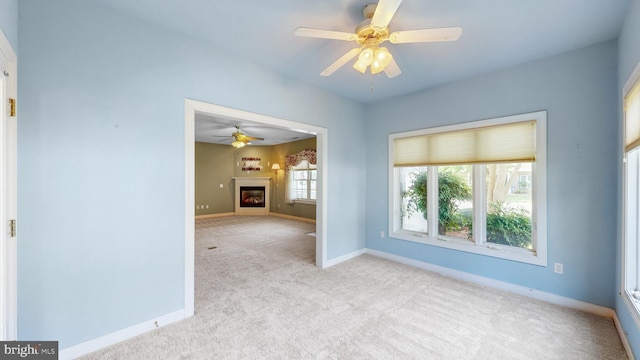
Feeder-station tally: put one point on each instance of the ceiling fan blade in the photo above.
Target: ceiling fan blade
(384, 13)
(341, 61)
(426, 35)
(325, 34)
(392, 70)
(250, 138)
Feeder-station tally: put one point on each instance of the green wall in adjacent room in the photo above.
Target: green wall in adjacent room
(278, 204)
(214, 166)
(217, 164)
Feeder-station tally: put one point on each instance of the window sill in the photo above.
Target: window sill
(301, 201)
(493, 250)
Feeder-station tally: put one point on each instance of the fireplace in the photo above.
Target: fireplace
(252, 196)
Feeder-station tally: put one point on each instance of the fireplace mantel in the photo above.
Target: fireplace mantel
(252, 182)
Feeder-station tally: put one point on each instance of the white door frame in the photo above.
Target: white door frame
(193, 106)
(8, 154)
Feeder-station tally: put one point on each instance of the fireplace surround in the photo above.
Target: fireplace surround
(252, 195)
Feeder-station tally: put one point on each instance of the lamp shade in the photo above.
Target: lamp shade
(366, 56)
(360, 66)
(275, 166)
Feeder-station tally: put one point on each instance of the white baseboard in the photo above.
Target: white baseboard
(623, 337)
(497, 284)
(210, 216)
(343, 258)
(120, 335)
(291, 217)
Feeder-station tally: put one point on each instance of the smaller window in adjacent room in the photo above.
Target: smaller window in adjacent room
(302, 177)
(478, 187)
(631, 273)
(303, 182)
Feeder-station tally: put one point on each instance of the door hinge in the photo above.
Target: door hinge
(12, 107)
(12, 228)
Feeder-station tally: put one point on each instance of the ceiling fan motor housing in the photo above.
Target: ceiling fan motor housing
(367, 35)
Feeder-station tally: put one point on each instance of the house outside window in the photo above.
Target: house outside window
(478, 187)
(631, 197)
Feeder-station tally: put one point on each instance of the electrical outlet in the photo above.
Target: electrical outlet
(558, 268)
(206, 206)
(221, 186)
(381, 233)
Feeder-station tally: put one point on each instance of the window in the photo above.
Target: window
(302, 182)
(631, 249)
(478, 187)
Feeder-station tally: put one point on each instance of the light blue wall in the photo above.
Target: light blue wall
(9, 21)
(101, 163)
(629, 57)
(578, 89)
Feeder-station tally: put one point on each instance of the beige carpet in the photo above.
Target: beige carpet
(259, 296)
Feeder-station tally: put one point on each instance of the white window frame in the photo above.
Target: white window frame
(308, 167)
(631, 232)
(537, 256)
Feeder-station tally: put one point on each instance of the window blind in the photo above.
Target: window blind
(632, 118)
(514, 142)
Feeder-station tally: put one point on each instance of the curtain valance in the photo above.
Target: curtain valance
(297, 158)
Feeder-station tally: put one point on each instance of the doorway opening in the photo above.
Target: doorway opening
(193, 107)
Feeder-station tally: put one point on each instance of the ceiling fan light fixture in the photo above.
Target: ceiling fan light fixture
(366, 56)
(238, 144)
(376, 67)
(383, 56)
(360, 66)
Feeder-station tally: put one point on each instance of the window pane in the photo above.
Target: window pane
(300, 174)
(455, 201)
(509, 204)
(301, 189)
(312, 187)
(632, 212)
(314, 174)
(413, 188)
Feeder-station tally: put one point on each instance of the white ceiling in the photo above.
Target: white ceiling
(218, 130)
(496, 34)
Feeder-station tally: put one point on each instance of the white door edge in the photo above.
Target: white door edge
(8, 206)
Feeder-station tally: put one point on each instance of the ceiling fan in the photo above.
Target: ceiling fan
(240, 139)
(372, 32)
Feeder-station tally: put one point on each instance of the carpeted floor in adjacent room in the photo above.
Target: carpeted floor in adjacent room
(260, 296)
